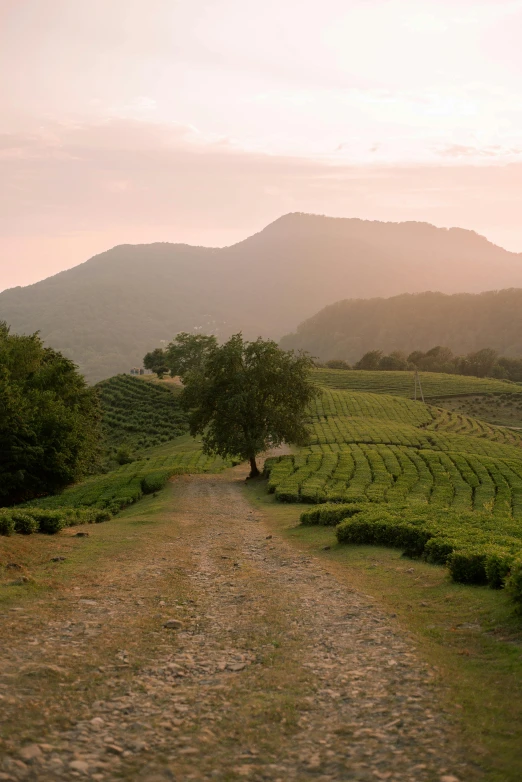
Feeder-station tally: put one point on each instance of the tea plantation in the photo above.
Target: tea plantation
(390, 471)
(402, 383)
(101, 496)
(138, 414)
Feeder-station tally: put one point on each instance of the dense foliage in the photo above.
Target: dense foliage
(49, 418)
(247, 397)
(186, 353)
(416, 322)
(108, 312)
(138, 414)
(482, 363)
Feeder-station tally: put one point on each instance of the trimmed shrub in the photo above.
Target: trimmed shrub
(438, 549)
(52, 522)
(468, 566)
(383, 532)
(7, 525)
(25, 524)
(498, 566)
(514, 583)
(154, 481)
(331, 514)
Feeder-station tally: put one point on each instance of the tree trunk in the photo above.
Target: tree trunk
(254, 472)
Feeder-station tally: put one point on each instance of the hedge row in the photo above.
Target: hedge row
(28, 520)
(330, 514)
(477, 548)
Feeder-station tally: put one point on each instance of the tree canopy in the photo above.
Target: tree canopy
(246, 397)
(49, 419)
(185, 353)
(481, 363)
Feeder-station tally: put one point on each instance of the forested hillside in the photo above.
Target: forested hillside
(108, 312)
(464, 322)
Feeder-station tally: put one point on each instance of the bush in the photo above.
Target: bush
(102, 515)
(514, 583)
(383, 532)
(438, 549)
(124, 455)
(468, 566)
(24, 523)
(330, 514)
(7, 525)
(154, 481)
(52, 522)
(498, 567)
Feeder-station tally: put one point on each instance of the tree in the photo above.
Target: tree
(370, 360)
(337, 363)
(395, 361)
(156, 361)
(247, 397)
(187, 352)
(49, 419)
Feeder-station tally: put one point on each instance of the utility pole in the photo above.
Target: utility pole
(418, 380)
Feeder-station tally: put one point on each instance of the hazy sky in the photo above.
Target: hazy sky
(201, 121)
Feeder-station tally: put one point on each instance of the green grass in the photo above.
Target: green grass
(139, 415)
(402, 383)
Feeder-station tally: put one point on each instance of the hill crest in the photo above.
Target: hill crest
(107, 312)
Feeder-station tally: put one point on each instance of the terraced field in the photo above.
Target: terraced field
(138, 414)
(402, 383)
(340, 418)
(380, 448)
(390, 471)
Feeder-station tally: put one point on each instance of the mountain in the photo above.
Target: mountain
(107, 312)
(464, 322)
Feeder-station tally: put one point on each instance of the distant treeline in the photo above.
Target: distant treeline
(465, 321)
(481, 363)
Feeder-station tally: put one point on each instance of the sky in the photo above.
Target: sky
(201, 121)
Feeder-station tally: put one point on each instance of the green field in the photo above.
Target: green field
(402, 383)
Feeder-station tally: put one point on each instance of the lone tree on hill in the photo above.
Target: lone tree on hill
(49, 419)
(245, 397)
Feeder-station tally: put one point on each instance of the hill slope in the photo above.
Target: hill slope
(464, 322)
(137, 414)
(107, 312)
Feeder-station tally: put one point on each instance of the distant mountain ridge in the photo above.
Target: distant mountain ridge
(464, 322)
(107, 312)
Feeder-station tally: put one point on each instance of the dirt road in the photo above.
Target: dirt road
(275, 672)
